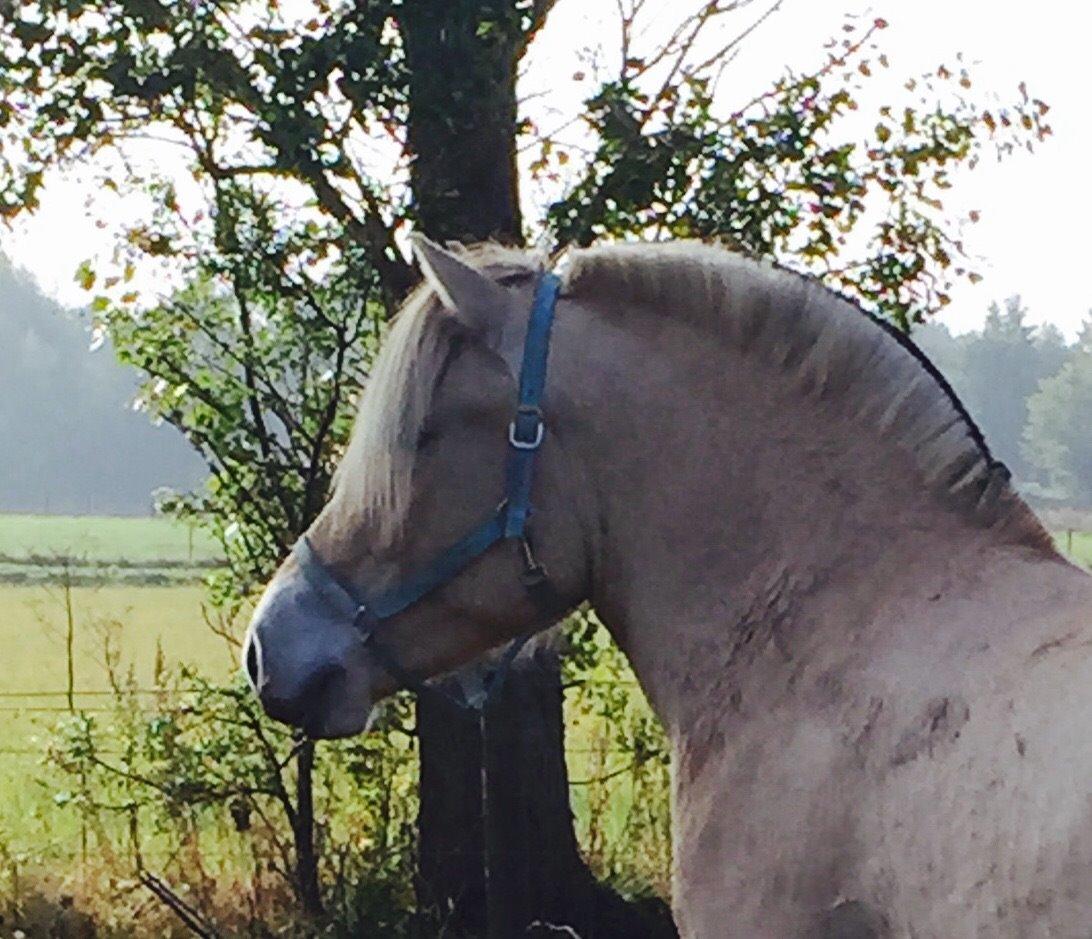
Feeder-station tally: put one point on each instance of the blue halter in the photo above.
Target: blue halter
(509, 522)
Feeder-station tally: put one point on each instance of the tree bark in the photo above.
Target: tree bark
(503, 862)
(462, 57)
(534, 870)
(450, 885)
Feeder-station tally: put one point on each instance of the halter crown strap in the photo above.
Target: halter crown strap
(525, 435)
(526, 431)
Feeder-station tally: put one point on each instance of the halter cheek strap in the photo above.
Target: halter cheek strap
(508, 523)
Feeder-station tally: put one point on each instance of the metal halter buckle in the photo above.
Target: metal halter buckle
(365, 623)
(525, 411)
(534, 573)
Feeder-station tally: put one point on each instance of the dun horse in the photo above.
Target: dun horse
(874, 669)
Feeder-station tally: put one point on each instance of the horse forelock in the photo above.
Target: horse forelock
(374, 475)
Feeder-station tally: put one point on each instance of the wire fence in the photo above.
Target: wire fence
(115, 701)
(78, 693)
(601, 762)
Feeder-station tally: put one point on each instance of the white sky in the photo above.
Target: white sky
(1034, 209)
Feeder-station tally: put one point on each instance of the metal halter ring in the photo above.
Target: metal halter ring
(540, 428)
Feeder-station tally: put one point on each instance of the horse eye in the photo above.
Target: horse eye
(426, 436)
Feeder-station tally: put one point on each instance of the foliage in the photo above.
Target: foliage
(172, 785)
(1056, 438)
(197, 786)
(295, 122)
(321, 96)
(784, 176)
(1006, 345)
(622, 801)
(283, 233)
(258, 375)
(259, 93)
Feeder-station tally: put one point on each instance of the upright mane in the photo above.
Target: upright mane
(829, 346)
(833, 349)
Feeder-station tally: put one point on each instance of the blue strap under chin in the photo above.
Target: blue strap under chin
(525, 435)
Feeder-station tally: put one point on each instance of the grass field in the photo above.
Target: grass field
(146, 622)
(37, 550)
(96, 538)
(1077, 546)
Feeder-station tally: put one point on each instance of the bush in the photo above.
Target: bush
(187, 792)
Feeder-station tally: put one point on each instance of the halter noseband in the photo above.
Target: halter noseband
(508, 523)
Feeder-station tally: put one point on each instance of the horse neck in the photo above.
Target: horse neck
(734, 519)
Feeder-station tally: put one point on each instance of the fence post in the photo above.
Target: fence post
(69, 635)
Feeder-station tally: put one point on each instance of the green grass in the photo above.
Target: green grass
(144, 622)
(1077, 546)
(85, 551)
(95, 538)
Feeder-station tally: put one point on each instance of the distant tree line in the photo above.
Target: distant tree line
(70, 441)
(73, 445)
(1030, 392)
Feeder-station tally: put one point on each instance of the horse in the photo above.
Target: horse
(873, 667)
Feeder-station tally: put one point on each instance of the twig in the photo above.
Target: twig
(607, 776)
(190, 917)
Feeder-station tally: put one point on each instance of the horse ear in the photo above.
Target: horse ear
(467, 293)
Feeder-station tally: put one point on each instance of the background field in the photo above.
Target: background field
(103, 538)
(137, 586)
(1079, 546)
(150, 623)
(95, 550)
(144, 621)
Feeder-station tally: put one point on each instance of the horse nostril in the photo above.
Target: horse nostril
(252, 662)
(309, 702)
(286, 710)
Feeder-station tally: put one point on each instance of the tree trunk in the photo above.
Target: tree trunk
(497, 850)
(450, 872)
(534, 870)
(492, 864)
(462, 57)
(532, 856)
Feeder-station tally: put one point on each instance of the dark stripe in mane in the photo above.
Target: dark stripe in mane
(906, 341)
